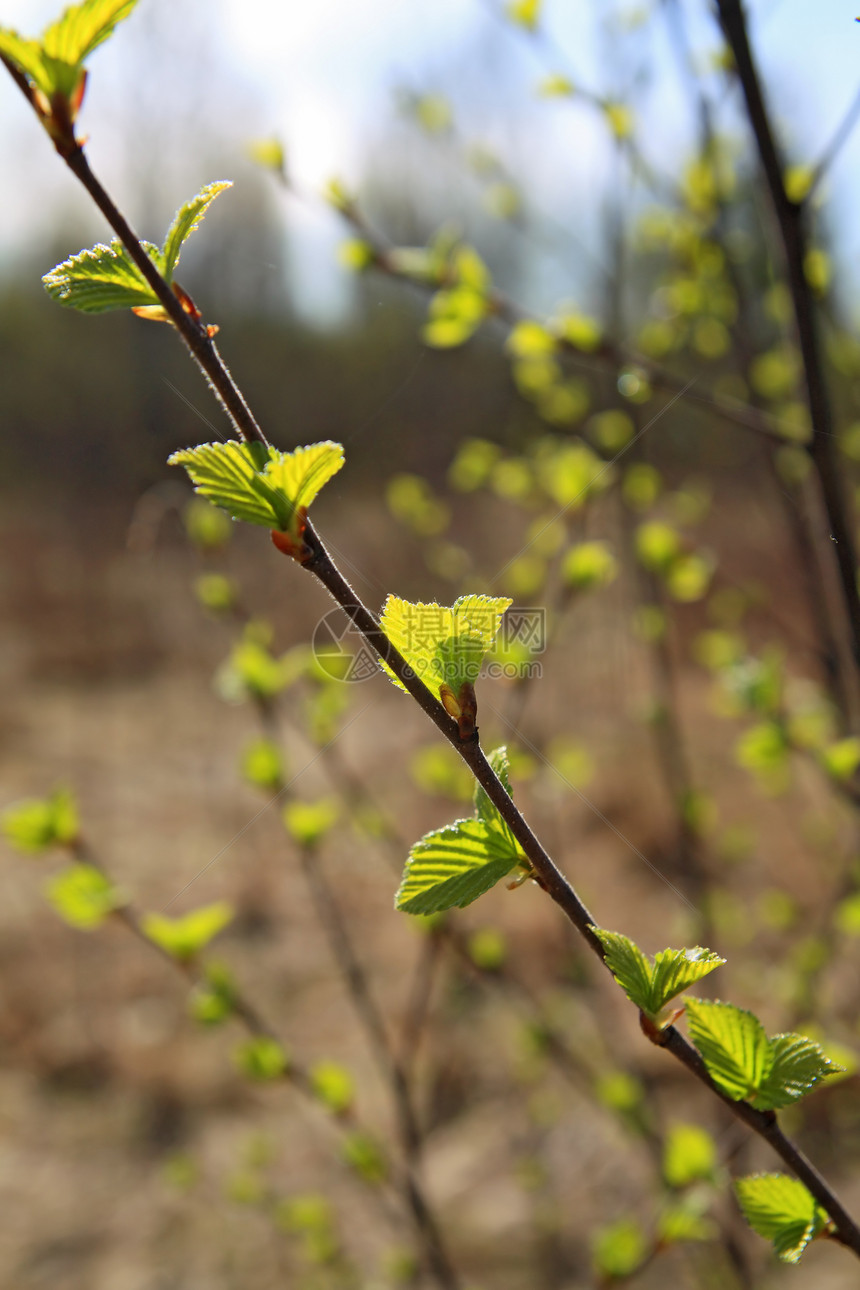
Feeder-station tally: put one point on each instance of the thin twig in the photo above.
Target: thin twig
(543, 868)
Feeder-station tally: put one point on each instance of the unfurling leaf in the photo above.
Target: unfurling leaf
(525, 13)
(103, 278)
(37, 824)
(54, 62)
(261, 485)
(443, 645)
(186, 221)
(781, 1210)
(746, 1065)
(334, 1086)
(652, 985)
(262, 1058)
(689, 1156)
(83, 896)
(619, 1248)
(106, 277)
(452, 866)
(184, 937)
(309, 822)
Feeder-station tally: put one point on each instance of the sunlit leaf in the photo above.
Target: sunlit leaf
(628, 964)
(102, 278)
(619, 1248)
(442, 644)
(83, 27)
(309, 822)
(798, 1064)
(676, 970)
(733, 1044)
(37, 824)
(213, 998)
(588, 565)
(185, 936)
(54, 61)
(83, 896)
(781, 1210)
(689, 1155)
(452, 866)
(262, 486)
(366, 1156)
(262, 1058)
(526, 13)
(270, 154)
(334, 1086)
(262, 764)
(652, 985)
(186, 221)
(484, 808)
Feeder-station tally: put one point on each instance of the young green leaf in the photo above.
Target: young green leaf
(443, 645)
(102, 278)
(781, 1210)
(213, 998)
(746, 1065)
(798, 1065)
(309, 822)
(629, 965)
(365, 1155)
(733, 1043)
(652, 985)
(484, 809)
(258, 485)
(186, 221)
(334, 1086)
(54, 62)
(452, 866)
(262, 1058)
(689, 1155)
(83, 27)
(618, 1249)
(185, 936)
(525, 13)
(83, 896)
(262, 764)
(27, 56)
(36, 825)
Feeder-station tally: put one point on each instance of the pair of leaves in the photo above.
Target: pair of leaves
(746, 1064)
(54, 62)
(260, 484)
(442, 645)
(653, 983)
(450, 867)
(106, 277)
(184, 937)
(35, 825)
(781, 1210)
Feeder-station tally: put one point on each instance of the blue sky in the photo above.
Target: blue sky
(323, 75)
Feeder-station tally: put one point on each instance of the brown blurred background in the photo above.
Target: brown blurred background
(133, 1156)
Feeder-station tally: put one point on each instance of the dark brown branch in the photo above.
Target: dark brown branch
(791, 222)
